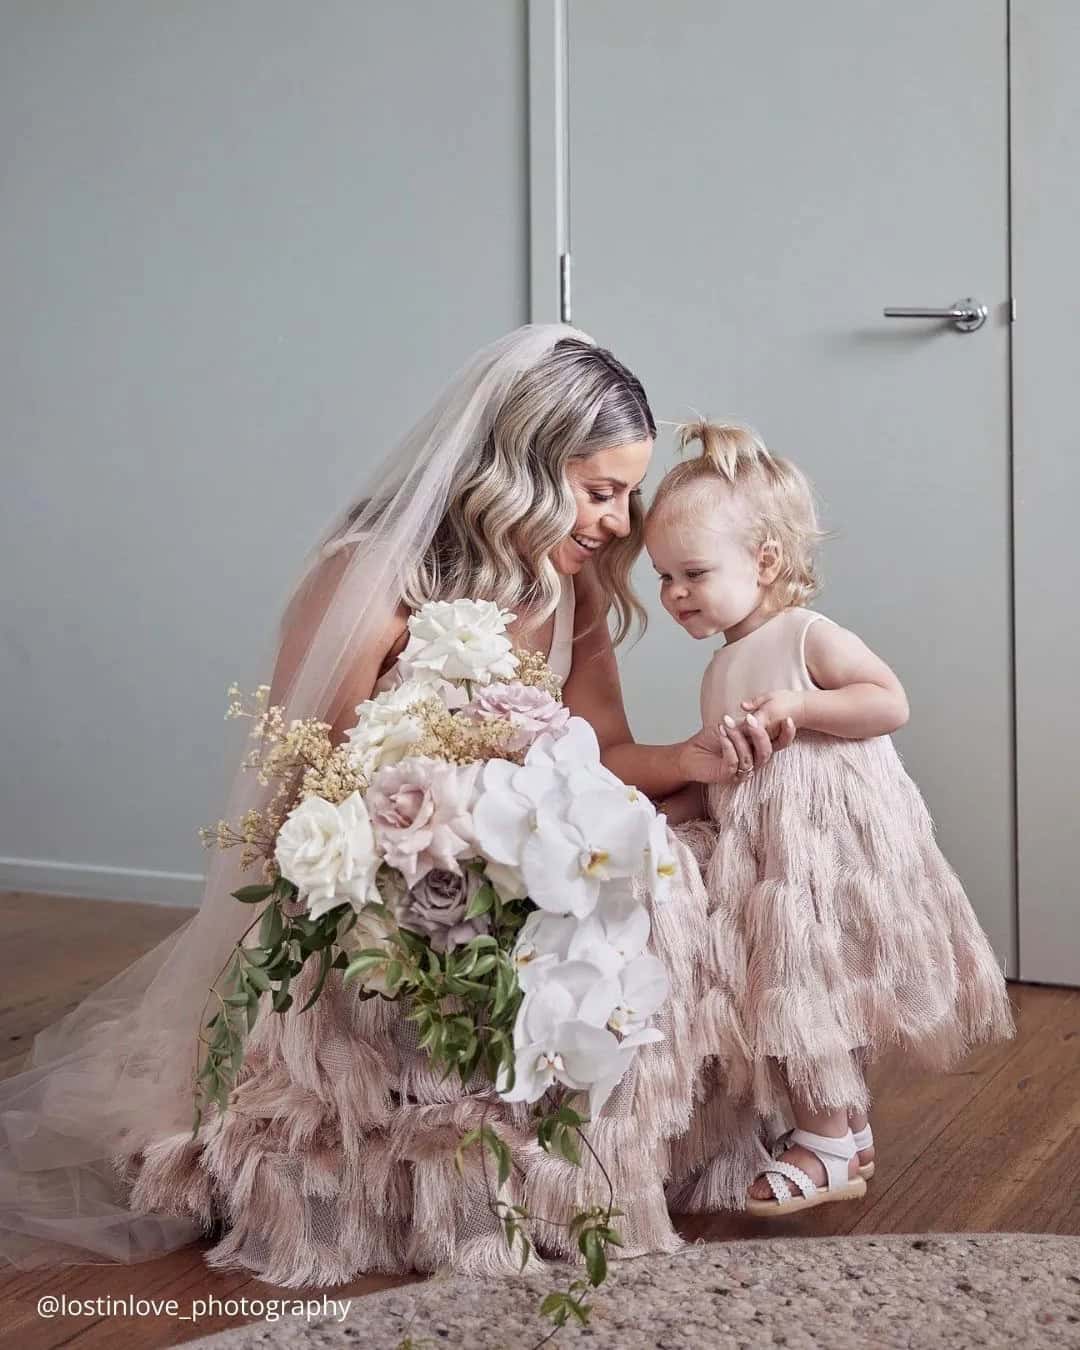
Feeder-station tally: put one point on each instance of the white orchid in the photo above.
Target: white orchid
(459, 640)
(580, 841)
(544, 941)
(329, 853)
(562, 821)
(559, 1037)
(660, 864)
(643, 988)
(615, 933)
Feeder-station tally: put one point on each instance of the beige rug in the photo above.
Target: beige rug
(915, 1293)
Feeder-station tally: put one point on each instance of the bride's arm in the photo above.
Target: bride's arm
(594, 692)
(298, 632)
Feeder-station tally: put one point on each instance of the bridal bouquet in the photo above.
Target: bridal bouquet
(464, 850)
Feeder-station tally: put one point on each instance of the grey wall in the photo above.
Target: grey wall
(240, 248)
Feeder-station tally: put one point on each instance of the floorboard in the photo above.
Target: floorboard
(993, 1147)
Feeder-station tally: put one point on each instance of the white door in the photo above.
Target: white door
(749, 187)
(1045, 50)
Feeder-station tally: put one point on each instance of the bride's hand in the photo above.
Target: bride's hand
(725, 751)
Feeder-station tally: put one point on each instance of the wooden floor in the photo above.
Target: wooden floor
(994, 1147)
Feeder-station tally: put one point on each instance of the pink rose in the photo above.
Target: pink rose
(421, 810)
(528, 709)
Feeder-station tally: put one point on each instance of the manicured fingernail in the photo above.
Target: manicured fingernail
(751, 720)
(729, 721)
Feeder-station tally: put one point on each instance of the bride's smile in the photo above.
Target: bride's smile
(605, 486)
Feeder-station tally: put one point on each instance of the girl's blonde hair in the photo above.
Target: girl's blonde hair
(777, 495)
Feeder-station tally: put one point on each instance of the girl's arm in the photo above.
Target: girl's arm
(858, 696)
(593, 692)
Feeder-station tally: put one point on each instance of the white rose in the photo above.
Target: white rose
(459, 640)
(328, 852)
(385, 732)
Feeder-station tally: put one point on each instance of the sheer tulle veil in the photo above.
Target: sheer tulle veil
(117, 1072)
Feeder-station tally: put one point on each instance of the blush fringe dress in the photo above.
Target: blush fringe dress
(336, 1155)
(828, 896)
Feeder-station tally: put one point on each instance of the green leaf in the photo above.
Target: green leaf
(284, 889)
(482, 902)
(553, 1306)
(502, 1153)
(595, 1257)
(360, 965)
(483, 965)
(580, 1310)
(566, 1145)
(324, 969)
(412, 942)
(252, 895)
(466, 1141)
(257, 978)
(272, 927)
(394, 972)
(283, 1000)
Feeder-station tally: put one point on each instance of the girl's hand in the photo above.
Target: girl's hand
(726, 751)
(782, 705)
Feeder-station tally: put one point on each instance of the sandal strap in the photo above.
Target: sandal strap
(782, 1169)
(780, 1189)
(863, 1138)
(834, 1154)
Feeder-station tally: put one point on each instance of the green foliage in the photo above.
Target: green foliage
(560, 1307)
(559, 1134)
(464, 1003)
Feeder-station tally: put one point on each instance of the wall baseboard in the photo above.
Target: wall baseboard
(101, 883)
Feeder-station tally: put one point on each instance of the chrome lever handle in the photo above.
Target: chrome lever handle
(965, 315)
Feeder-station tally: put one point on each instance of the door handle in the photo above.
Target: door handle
(965, 315)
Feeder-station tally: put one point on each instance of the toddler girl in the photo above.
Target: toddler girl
(857, 934)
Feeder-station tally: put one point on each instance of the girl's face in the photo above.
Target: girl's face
(710, 576)
(602, 485)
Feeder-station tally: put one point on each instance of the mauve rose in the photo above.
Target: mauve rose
(528, 709)
(422, 813)
(436, 907)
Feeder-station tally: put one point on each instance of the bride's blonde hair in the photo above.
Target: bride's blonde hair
(513, 505)
(776, 494)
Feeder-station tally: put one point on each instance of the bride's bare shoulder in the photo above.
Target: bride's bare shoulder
(305, 613)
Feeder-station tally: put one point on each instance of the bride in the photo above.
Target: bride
(336, 1154)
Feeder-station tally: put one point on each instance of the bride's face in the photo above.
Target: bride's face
(602, 485)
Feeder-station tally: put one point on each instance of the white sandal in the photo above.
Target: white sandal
(864, 1139)
(834, 1155)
